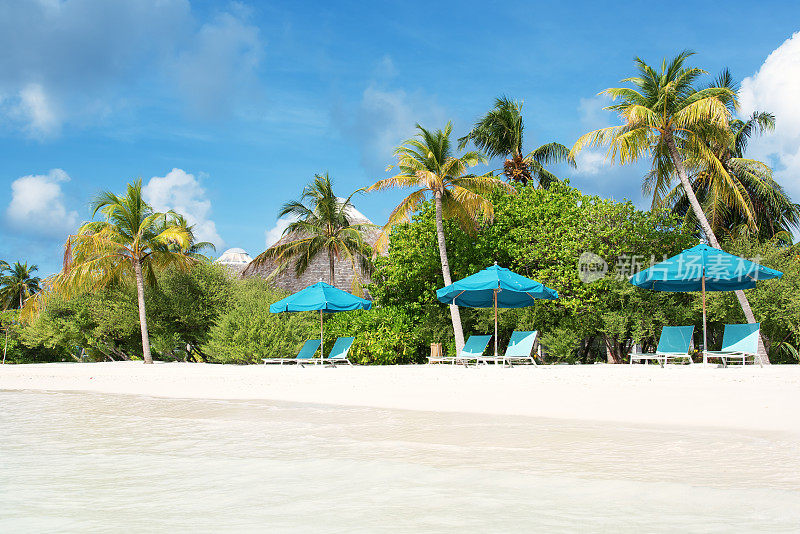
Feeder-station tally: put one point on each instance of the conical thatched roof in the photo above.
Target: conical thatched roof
(318, 270)
(235, 260)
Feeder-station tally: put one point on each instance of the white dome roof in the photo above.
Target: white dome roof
(234, 256)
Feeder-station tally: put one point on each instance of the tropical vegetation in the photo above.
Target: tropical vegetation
(428, 164)
(499, 133)
(664, 117)
(133, 242)
(739, 195)
(321, 225)
(17, 284)
(138, 280)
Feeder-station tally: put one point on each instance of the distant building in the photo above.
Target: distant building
(235, 260)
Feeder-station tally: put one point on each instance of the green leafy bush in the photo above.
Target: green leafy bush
(382, 336)
(246, 331)
(561, 344)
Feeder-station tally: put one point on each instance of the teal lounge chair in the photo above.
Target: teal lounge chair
(306, 353)
(339, 351)
(739, 341)
(473, 349)
(520, 349)
(674, 343)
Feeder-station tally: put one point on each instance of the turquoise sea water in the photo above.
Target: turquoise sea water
(83, 462)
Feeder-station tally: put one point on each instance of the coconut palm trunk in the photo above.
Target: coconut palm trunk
(137, 267)
(709, 232)
(455, 315)
(331, 267)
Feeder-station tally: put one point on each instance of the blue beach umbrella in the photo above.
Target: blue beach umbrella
(495, 287)
(323, 297)
(703, 268)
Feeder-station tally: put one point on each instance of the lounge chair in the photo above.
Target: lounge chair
(739, 341)
(473, 349)
(306, 353)
(339, 352)
(520, 349)
(674, 343)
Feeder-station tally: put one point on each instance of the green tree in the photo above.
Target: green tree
(18, 285)
(662, 115)
(604, 314)
(321, 227)
(739, 195)
(133, 242)
(195, 248)
(246, 331)
(181, 309)
(428, 164)
(499, 135)
(184, 305)
(9, 326)
(98, 325)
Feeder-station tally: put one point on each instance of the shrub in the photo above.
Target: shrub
(561, 344)
(382, 336)
(246, 331)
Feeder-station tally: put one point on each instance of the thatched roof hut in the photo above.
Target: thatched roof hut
(234, 260)
(318, 270)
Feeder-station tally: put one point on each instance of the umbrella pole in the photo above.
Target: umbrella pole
(321, 341)
(495, 324)
(705, 338)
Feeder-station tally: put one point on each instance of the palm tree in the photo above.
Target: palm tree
(133, 242)
(499, 134)
(322, 226)
(738, 195)
(664, 115)
(195, 248)
(18, 285)
(3, 266)
(427, 162)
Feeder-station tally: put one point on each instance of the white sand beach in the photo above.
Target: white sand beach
(737, 398)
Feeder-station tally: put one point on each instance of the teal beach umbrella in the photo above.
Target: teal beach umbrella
(703, 268)
(323, 297)
(495, 287)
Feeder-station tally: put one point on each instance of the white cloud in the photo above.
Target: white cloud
(37, 112)
(221, 65)
(774, 88)
(385, 69)
(80, 62)
(591, 112)
(384, 118)
(182, 192)
(37, 205)
(592, 117)
(272, 235)
(591, 162)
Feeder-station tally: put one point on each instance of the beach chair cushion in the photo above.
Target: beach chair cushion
(521, 344)
(474, 346)
(340, 349)
(306, 352)
(308, 349)
(741, 338)
(675, 340)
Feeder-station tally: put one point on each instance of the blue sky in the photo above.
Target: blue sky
(226, 109)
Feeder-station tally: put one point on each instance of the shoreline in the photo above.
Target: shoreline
(749, 398)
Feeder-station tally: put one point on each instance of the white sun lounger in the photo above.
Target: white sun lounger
(739, 342)
(520, 349)
(674, 343)
(306, 353)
